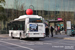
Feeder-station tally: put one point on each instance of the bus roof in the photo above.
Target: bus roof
(22, 18)
(28, 16)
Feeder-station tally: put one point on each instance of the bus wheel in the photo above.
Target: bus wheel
(36, 38)
(20, 36)
(12, 36)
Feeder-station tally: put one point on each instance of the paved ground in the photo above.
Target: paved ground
(48, 43)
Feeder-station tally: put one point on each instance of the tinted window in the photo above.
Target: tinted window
(35, 20)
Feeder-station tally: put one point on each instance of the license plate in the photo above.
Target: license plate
(36, 33)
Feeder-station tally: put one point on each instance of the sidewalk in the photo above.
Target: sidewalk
(4, 35)
(64, 36)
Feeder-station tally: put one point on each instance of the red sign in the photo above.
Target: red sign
(59, 19)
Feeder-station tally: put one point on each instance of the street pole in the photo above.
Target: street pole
(43, 8)
(37, 8)
(48, 9)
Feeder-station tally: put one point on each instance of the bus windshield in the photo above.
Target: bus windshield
(35, 20)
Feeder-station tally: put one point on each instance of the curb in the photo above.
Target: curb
(4, 35)
(69, 39)
(65, 38)
(59, 37)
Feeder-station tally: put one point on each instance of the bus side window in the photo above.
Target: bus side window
(23, 24)
(22, 27)
(12, 28)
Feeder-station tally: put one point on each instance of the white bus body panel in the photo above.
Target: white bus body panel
(16, 33)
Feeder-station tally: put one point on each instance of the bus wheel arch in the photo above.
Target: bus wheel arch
(20, 36)
(12, 35)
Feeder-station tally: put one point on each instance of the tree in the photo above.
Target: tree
(19, 7)
(2, 10)
(2, 15)
(2, 1)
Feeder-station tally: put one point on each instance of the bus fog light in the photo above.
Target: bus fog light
(28, 33)
(43, 34)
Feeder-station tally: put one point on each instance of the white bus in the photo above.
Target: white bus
(27, 26)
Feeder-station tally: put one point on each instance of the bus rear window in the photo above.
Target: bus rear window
(35, 20)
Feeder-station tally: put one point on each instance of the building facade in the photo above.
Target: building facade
(49, 9)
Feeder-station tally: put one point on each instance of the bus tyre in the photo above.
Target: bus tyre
(12, 36)
(36, 38)
(20, 36)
